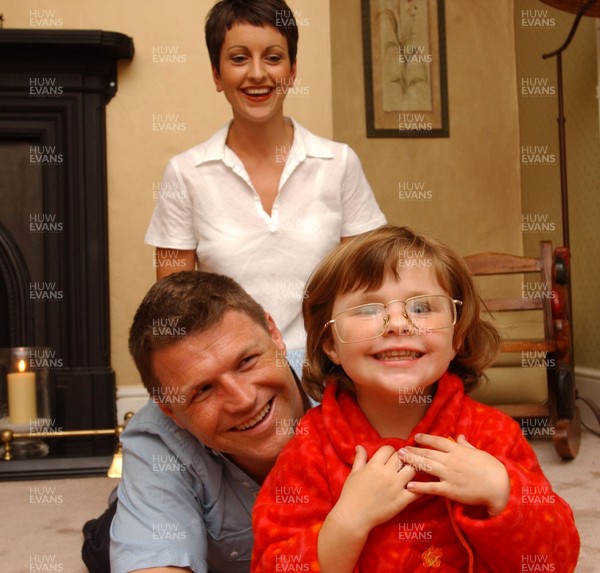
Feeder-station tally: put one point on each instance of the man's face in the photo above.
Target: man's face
(229, 386)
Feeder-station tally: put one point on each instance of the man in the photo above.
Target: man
(224, 401)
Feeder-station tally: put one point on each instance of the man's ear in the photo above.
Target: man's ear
(274, 332)
(168, 412)
(217, 79)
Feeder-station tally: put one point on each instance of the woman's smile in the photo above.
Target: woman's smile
(254, 65)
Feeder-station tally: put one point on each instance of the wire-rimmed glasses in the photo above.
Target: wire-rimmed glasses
(423, 313)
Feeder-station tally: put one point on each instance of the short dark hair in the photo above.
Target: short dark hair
(180, 305)
(364, 262)
(225, 13)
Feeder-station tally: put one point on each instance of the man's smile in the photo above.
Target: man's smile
(255, 419)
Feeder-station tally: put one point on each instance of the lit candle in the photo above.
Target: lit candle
(21, 396)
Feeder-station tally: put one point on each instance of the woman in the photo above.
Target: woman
(263, 200)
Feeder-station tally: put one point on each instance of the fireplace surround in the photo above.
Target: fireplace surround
(54, 87)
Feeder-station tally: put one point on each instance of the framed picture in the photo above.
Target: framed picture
(406, 88)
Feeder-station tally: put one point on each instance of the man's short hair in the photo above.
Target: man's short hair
(224, 14)
(180, 305)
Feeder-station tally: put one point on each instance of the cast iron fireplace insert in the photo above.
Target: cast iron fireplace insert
(54, 87)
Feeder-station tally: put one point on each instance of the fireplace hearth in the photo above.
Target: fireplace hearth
(54, 86)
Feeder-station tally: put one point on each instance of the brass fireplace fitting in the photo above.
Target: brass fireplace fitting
(7, 437)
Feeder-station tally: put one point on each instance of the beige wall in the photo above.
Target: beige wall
(473, 175)
(182, 93)
(541, 181)
(480, 189)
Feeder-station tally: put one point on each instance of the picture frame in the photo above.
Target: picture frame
(406, 88)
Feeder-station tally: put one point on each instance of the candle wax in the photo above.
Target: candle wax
(21, 397)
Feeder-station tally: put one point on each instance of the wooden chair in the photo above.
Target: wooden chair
(554, 415)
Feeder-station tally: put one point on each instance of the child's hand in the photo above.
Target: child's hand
(466, 474)
(375, 490)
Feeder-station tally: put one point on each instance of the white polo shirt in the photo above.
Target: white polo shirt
(207, 203)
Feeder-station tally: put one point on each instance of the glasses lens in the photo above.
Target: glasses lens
(360, 323)
(431, 312)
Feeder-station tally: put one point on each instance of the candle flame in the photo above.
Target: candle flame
(21, 365)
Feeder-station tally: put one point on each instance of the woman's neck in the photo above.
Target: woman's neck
(260, 139)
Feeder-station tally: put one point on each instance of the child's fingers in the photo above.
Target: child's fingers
(360, 459)
(461, 440)
(426, 487)
(406, 473)
(421, 464)
(383, 455)
(436, 442)
(423, 460)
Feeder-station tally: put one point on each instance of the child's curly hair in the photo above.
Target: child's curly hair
(363, 263)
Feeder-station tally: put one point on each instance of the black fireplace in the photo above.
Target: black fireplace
(54, 86)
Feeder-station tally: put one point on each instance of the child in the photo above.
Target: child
(398, 470)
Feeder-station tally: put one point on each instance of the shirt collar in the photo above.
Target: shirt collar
(214, 149)
(305, 144)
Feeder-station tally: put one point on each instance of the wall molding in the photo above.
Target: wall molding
(130, 399)
(587, 382)
(587, 375)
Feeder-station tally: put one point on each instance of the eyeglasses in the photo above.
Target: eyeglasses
(368, 321)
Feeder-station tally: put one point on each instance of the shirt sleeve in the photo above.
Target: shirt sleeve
(536, 529)
(361, 213)
(158, 521)
(290, 509)
(171, 225)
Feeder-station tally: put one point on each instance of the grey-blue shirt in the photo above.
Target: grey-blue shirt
(180, 504)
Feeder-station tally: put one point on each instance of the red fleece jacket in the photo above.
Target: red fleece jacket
(535, 532)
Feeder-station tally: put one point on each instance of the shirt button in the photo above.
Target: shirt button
(246, 484)
(234, 554)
